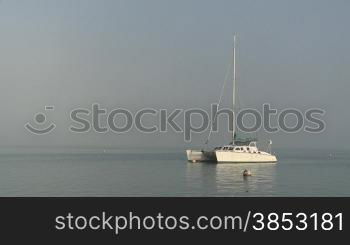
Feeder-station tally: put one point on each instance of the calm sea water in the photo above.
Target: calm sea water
(167, 173)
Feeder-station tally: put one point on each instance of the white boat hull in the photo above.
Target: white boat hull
(200, 156)
(244, 157)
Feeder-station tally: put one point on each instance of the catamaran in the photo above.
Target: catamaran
(239, 150)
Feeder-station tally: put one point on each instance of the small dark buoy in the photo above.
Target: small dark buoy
(247, 173)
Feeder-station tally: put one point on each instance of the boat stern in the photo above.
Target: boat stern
(200, 156)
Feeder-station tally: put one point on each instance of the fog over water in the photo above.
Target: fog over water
(170, 54)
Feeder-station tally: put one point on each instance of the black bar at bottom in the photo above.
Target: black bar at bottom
(163, 220)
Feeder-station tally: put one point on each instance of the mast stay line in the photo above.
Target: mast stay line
(222, 91)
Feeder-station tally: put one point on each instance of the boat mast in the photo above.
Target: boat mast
(234, 89)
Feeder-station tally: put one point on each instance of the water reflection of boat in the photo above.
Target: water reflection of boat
(229, 177)
(227, 180)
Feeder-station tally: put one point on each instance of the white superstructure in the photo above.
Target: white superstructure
(243, 154)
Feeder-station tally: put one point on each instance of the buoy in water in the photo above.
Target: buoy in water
(247, 173)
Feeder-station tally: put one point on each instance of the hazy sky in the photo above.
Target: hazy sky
(168, 54)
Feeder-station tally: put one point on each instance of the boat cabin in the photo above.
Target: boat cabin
(251, 148)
